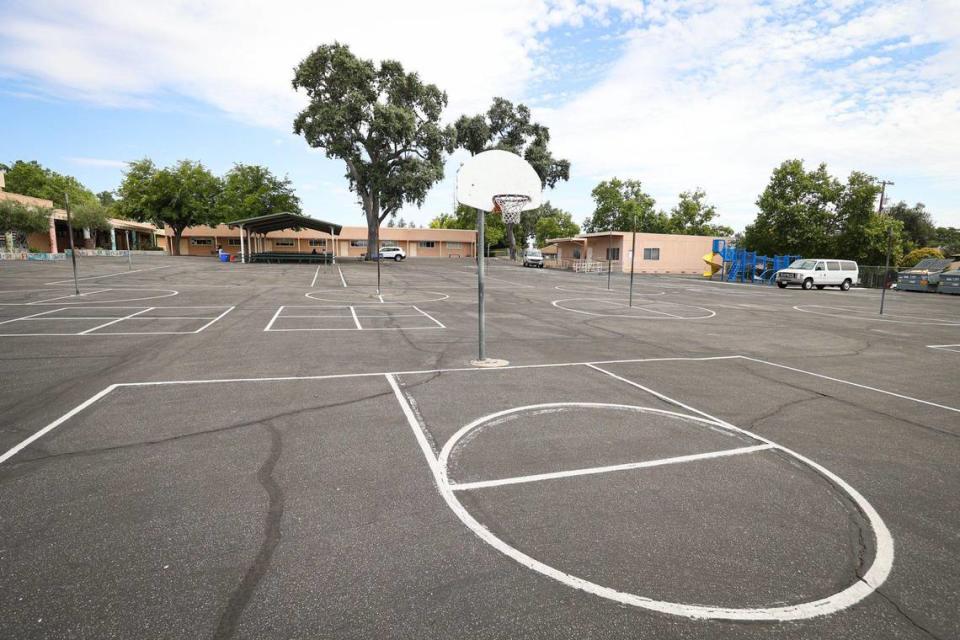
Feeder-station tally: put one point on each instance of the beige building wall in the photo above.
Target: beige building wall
(203, 241)
(665, 253)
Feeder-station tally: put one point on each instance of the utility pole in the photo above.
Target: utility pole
(883, 190)
(886, 268)
(633, 255)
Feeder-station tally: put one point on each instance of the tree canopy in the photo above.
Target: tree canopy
(383, 122)
(33, 179)
(18, 218)
(90, 215)
(465, 217)
(918, 228)
(509, 127)
(693, 216)
(553, 222)
(811, 213)
(179, 196)
(619, 204)
(948, 239)
(252, 190)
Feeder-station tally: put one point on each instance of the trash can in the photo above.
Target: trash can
(224, 257)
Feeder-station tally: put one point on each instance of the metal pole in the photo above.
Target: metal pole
(480, 281)
(609, 265)
(886, 269)
(129, 253)
(73, 251)
(378, 265)
(633, 256)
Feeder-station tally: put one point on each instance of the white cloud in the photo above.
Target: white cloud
(710, 93)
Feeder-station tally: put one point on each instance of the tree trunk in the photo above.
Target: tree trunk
(175, 247)
(512, 242)
(373, 234)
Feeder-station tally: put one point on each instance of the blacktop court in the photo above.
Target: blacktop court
(192, 449)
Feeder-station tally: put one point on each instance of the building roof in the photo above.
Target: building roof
(277, 221)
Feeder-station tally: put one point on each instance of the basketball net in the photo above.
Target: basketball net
(510, 206)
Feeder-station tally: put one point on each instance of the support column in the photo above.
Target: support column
(113, 239)
(87, 239)
(53, 234)
(243, 248)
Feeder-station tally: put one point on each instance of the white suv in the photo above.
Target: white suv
(396, 253)
(820, 273)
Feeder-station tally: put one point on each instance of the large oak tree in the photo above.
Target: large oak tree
(510, 128)
(383, 122)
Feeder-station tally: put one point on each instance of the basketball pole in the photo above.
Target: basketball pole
(73, 251)
(481, 274)
(633, 256)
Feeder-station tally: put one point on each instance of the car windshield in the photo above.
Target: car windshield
(803, 264)
(533, 253)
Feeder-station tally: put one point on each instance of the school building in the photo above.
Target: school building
(349, 242)
(655, 253)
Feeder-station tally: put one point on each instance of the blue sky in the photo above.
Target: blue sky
(679, 95)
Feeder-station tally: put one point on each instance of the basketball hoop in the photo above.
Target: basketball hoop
(510, 206)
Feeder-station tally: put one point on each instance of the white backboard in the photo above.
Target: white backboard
(495, 173)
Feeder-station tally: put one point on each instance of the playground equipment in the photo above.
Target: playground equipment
(740, 265)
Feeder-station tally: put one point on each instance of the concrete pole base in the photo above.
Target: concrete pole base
(489, 363)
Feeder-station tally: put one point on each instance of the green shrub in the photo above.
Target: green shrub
(917, 255)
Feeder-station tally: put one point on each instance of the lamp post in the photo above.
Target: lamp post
(73, 251)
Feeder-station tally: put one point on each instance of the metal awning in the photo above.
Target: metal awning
(278, 221)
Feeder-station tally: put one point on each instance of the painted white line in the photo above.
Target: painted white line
(875, 575)
(847, 313)
(111, 275)
(337, 376)
(215, 319)
(72, 295)
(56, 423)
(483, 484)
(414, 422)
(32, 315)
(558, 304)
(381, 298)
(440, 324)
(316, 275)
(342, 279)
(853, 384)
(362, 329)
(273, 319)
(945, 347)
(115, 321)
(356, 320)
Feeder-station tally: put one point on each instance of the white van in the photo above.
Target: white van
(820, 273)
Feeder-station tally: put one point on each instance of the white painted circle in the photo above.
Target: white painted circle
(367, 295)
(623, 292)
(654, 314)
(871, 580)
(92, 298)
(846, 313)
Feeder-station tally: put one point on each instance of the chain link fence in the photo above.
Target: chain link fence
(873, 277)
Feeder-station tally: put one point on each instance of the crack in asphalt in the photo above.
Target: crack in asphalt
(230, 619)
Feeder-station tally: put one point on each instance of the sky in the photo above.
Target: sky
(677, 94)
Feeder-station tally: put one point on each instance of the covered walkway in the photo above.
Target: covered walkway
(253, 232)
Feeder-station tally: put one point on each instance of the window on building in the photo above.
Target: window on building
(233, 242)
(613, 253)
(358, 243)
(576, 253)
(201, 242)
(651, 254)
(454, 245)
(318, 243)
(284, 242)
(426, 244)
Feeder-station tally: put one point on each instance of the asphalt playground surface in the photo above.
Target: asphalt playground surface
(191, 449)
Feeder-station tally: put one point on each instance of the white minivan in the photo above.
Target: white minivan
(820, 273)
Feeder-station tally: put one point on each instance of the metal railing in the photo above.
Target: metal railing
(873, 277)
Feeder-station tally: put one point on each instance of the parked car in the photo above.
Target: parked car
(533, 258)
(395, 253)
(819, 273)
